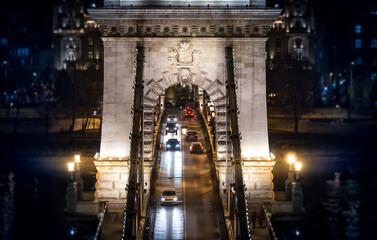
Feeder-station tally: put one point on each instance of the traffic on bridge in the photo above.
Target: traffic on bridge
(192, 217)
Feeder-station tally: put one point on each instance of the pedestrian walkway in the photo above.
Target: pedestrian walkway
(259, 232)
(113, 225)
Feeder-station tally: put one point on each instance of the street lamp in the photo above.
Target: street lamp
(351, 90)
(291, 158)
(79, 181)
(77, 161)
(298, 166)
(71, 168)
(71, 192)
(297, 193)
(5, 63)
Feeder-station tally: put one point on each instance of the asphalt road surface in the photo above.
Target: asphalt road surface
(193, 217)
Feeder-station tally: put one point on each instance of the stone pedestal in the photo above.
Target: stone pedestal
(297, 197)
(71, 197)
(257, 177)
(112, 179)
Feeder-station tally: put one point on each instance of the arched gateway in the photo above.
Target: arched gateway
(184, 45)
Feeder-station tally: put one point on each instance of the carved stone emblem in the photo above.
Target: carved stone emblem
(183, 59)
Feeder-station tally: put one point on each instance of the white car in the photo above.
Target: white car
(172, 119)
(169, 196)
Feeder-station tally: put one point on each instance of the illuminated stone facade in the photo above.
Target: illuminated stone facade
(187, 46)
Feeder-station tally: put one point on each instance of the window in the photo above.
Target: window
(373, 77)
(359, 61)
(90, 55)
(358, 29)
(90, 41)
(358, 43)
(373, 43)
(4, 41)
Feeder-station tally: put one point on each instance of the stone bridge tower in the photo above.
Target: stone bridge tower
(184, 42)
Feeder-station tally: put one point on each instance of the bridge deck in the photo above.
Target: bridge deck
(113, 223)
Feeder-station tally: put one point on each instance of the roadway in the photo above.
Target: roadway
(193, 217)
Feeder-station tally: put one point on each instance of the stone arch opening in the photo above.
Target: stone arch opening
(214, 89)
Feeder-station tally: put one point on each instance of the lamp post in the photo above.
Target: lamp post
(78, 179)
(351, 90)
(297, 193)
(71, 192)
(5, 63)
(291, 158)
(184, 129)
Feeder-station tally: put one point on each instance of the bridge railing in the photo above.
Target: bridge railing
(149, 218)
(217, 203)
(101, 222)
(271, 231)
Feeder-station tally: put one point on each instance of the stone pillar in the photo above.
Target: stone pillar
(257, 177)
(250, 71)
(119, 75)
(112, 179)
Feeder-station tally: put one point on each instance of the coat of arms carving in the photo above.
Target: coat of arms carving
(183, 59)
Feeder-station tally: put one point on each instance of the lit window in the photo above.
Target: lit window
(358, 29)
(90, 55)
(373, 44)
(4, 41)
(359, 61)
(358, 43)
(373, 77)
(90, 41)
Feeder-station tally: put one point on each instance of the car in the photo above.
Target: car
(188, 112)
(196, 147)
(173, 144)
(191, 136)
(171, 128)
(169, 196)
(172, 119)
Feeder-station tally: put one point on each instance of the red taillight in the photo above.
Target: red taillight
(196, 135)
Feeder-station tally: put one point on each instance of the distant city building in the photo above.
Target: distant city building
(22, 61)
(360, 68)
(78, 48)
(291, 36)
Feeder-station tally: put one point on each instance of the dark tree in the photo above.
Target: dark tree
(291, 83)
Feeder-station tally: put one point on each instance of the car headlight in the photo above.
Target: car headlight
(168, 145)
(177, 145)
(175, 119)
(175, 128)
(163, 199)
(175, 199)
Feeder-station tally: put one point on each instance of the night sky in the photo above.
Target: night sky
(40, 12)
